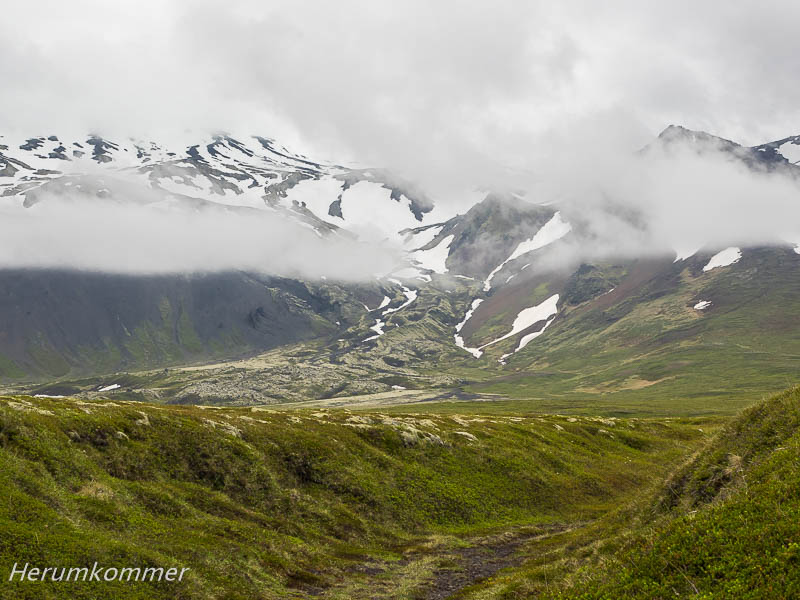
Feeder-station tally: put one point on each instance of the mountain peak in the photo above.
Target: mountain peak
(681, 134)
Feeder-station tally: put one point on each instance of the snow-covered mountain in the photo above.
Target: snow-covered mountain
(490, 283)
(258, 173)
(255, 173)
(780, 154)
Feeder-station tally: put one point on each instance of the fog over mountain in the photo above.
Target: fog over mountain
(142, 208)
(448, 93)
(399, 299)
(550, 103)
(680, 194)
(138, 239)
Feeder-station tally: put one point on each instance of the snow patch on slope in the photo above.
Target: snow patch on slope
(378, 329)
(702, 305)
(526, 339)
(685, 252)
(410, 295)
(317, 195)
(532, 336)
(790, 151)
(553, 230)
(434, 258)
(384, 302)
(371, 214)
(460, 340)
(415, 240)
(724, 258)
(530, 316)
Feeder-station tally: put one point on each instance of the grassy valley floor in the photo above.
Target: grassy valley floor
(330, 503)
(725, 525)
(261, 503)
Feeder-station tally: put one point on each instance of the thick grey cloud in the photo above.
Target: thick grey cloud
(131, 237)
(547, 97)
(444, 91)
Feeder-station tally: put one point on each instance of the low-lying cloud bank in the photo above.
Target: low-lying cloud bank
(672, 197)
(146, 239)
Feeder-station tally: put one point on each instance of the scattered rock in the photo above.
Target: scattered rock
(467, 435)
(25, 406)
(412, 436)
(409, 438)
(251, 419)
(226, 427)
(358, 419)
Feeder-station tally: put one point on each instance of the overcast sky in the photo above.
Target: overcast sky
(444, 87)
(549, 97)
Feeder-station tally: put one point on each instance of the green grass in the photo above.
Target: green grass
(280, 504)
(725, 525)
(733, 519)
(9, 369)
(711, 362)
(263, 504)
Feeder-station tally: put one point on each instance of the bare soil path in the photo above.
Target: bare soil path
(477, 562)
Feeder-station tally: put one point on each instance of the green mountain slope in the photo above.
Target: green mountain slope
(735, 519)
(67, 323)
(724, 525)
(643, 347)
(627, 340)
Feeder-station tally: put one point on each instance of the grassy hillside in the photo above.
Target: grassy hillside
(724, 525)
(644, 349)
(264, 504)
(62, 323)
(734, 527)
